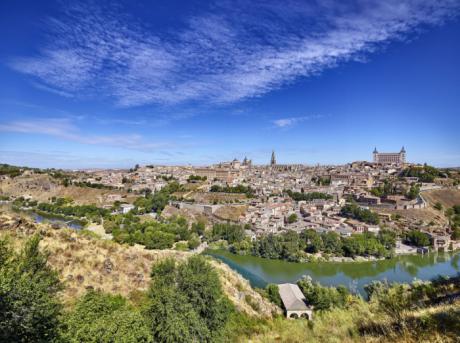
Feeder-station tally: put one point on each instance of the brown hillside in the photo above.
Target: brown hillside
(447, 197)
(42, 187)
(85, 262)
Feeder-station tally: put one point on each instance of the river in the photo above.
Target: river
(72, 224)
(354, 275)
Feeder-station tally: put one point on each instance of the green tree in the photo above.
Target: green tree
(29, 306)
(417, 238)
(273, 294)
(292, 218)
(413, 192)
(313, 240)
(99, 317)
(198, 228)
(323, 298)
(200, 283)
(332, 243)
(194, 242)
(387, 238)
(186, 302)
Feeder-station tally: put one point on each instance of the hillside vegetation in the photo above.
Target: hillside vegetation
(89, 290)
(43, 187)
(84, 262)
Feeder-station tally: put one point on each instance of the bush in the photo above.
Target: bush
(194, 242)
(292, 218)
(100, 317)
(29, 306)
(273, 294)
(186, 302)
(323, 298)
(417, 238)
(356, 212)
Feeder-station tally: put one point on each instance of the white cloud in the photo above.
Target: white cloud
(64, 128)
(291, 121)
(238, 51)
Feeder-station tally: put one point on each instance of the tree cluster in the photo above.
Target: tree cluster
(355, 212)
(417, 238)
(156, 202)
(88, 184)
(11, 171)
(453, 214)
(241, 189)
(192, 178)
(297, 196)
(128, 228)
(185, 303)
(292, 246)
(321, 297)
(90, 212)
(424, 173)
(232, 233)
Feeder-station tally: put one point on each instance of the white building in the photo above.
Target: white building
(294, 301)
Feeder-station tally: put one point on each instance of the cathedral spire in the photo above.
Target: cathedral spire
(273, 159)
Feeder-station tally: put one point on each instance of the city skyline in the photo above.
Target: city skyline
(108, 85)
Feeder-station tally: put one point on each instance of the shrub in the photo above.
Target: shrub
(186, 302)
(323, 298)
(29, 307)
(100, 317)
(273, 294)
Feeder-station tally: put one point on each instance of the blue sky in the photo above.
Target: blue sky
(111, 84)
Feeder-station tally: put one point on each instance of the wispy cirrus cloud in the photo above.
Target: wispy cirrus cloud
(284, 123)
(234, 52)
(65, 128)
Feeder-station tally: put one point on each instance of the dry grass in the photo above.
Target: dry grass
(230, 212)
(42, 187)
(358, 323)
(211, 197)
(85, 262)
(447, 197)
(426, 215)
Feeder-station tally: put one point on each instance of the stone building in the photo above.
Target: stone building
(294, 301)
(389, 157)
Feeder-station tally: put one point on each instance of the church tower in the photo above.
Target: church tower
(402, 153)
(273, 159)
(375, 155)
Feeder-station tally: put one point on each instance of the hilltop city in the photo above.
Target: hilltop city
(357, 198)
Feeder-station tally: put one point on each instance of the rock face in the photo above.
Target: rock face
(243, 296)
(108, 266)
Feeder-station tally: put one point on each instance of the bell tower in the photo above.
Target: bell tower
(273, 159)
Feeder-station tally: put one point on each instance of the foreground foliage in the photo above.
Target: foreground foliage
(186, 302)
(29, 308)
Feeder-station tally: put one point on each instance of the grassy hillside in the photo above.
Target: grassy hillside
(359, 323)
(84, 262)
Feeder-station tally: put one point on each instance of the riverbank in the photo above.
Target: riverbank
(57, 219)
(353, 275)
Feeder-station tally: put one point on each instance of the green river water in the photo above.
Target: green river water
(354, 275)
